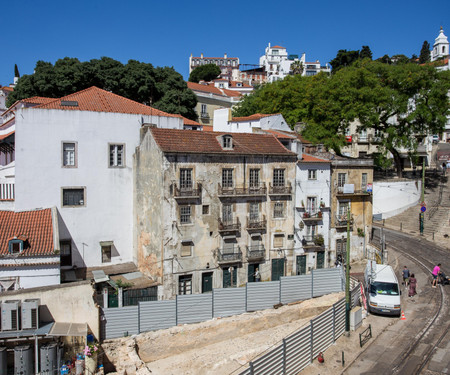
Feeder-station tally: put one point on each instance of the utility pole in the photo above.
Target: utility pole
(422, 215)
(347, 276)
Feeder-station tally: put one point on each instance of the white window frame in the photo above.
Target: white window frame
(116, 155)
(312, 174)
(66, 161)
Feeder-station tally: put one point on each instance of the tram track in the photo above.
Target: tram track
(397, 243)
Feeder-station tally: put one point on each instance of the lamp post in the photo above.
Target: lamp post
(347, 277)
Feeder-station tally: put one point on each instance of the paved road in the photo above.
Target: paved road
(402, 345)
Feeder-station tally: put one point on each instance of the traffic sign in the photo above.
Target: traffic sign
(423, 209)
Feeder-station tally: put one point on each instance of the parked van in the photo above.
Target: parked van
(383, 291)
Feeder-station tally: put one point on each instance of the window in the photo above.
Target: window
(227, 178)
(312, 174)
(343, 209)
(185, 214)
(116, 155)
(278, 210)
(254, 212)
(311, 204)
(185, 179)
(227, 214)
(203, 110)
(342, 179)
(363, 135)
(66, 253)
(364, 181)
(205, 209)
(15, 246)
(185, 284)
(278, 177)
(106, 253)
(73, 197)
(278, 240)
(186, 248)
(254, 178)
(69, 154)
(227, 142)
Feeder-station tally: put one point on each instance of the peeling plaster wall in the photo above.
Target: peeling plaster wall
(160, 233)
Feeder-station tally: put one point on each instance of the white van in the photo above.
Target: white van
(383, 292)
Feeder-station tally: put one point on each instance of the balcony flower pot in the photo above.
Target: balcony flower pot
(319, 214)
(306, 214)
(319, 240)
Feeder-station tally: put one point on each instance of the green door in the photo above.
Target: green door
(301, 264)
(277, 269)
(113, 300)
(229, 277)
(251, 272)
(207, 282)
(320, 259)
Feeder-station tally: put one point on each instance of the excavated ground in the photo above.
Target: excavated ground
(218, 346)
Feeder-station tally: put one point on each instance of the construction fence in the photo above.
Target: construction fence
(195, 308)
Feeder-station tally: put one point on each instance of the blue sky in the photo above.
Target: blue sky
(165, 33)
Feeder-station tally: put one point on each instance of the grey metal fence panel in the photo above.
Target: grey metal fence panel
(121, 322)
(262, 296)
(295, 288)
(322, 331)
(270, 363)
(328, 280)
(339, 318)
(229, 301)
(355, 294)
(247, 371)
(298, 350)
(156, 315)
(194, 308)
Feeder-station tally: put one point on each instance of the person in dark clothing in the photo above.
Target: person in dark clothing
(412, 286)
(405, 274)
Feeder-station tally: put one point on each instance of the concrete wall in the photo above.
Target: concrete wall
(107, 214)
(393, 197)
(32, 276)
(70, 303)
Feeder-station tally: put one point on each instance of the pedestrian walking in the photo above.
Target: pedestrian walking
(435, 273)
(444, 168)
(405, 274)
(257, 275)
(412, 286)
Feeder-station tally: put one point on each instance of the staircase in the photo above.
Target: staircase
(437, 216)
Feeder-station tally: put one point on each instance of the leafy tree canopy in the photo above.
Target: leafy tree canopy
(346, 58)
(402, 101)
(425, 54)
(162, 88)
(206, 72)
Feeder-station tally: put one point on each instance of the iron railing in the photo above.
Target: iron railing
(256, 252)
(231, 254)
(257, 224)
(280, 190)
(229, 226)
(260, 190)
(187, 192)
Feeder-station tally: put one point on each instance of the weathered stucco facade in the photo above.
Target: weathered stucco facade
(351, 188)
(206, 219)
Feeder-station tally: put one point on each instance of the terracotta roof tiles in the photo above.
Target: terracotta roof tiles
(306, 158)
(210, 88)
(4, 136)
(254, 117)
(205, 142)
(36, 226)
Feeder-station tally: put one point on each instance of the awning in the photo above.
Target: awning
(69, 329)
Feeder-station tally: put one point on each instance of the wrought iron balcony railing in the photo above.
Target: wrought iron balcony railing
(256, 252)
(260, 190)
(257, 223)
(280, 190)
(187, 192)
(229, 226)
(229, 254)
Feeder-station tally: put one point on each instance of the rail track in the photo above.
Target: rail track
(438, 325)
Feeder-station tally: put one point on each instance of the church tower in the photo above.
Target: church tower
(440, 46)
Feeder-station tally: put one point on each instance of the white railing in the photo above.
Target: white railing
(7, 192)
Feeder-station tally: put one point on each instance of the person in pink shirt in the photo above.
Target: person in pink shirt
(435, 273)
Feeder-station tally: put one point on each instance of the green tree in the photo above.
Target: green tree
(297, 67)
(206, 72)
(365, 53)
(424, 56)
(343, 58)
(402, 101)
(16, 71)
(163, 88)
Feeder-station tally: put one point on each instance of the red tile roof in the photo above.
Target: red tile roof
(208, 128)
(187, 121)
(243, 85)
(282, 135)
(97, 100)
(306, 158)
(7, 88)
(278, 47)
(36, 226)
(4, 136)
(7, 123)
(256, 116)
(37, 100)
(210, 88)
(217, 58)
(205, 142)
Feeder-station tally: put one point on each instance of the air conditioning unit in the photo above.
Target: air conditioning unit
(10, 315)
(30, 313)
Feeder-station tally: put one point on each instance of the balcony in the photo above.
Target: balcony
(7, 192)
(366, 190)
(256, 252)
(229, 226)
(280, 190)
(253, 191)
(229, 255)
(256, 223)
(312, 215)
(341, 221)
(313, 241)
(187, 192)
(204, 115)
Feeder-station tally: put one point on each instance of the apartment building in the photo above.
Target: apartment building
(212, 207)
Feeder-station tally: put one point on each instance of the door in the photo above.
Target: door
(207, 279)
(229, 277)
(320, 259)
(301, 264)
(277, 269)
(251, 272)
